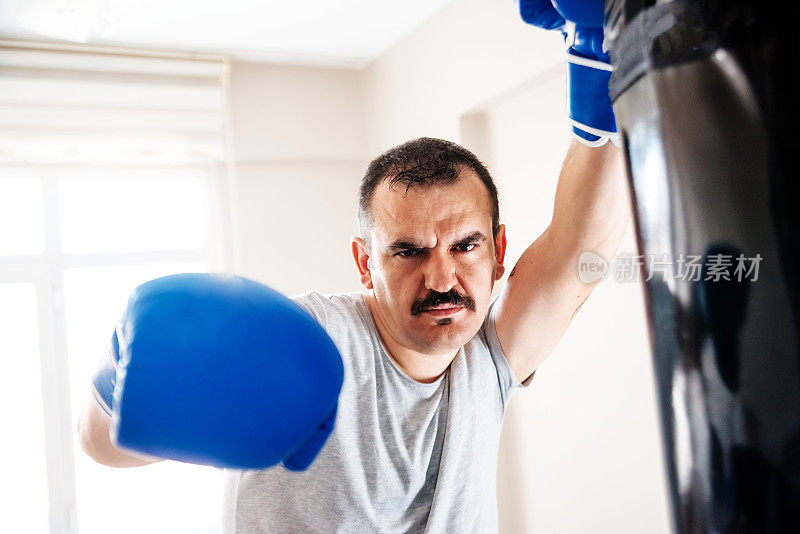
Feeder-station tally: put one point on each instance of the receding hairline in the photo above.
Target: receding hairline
(391, 174)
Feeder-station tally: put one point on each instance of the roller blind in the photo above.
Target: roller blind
(71, 105)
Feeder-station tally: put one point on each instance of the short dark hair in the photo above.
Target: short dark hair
(422, 162)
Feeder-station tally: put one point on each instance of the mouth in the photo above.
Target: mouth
(443, 311)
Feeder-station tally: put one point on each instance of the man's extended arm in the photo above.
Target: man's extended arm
(93, 436)
(544, 292)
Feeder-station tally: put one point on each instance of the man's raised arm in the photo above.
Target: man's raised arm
(592, 208)
(543, 292)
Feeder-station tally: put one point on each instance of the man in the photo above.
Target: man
(430, 360)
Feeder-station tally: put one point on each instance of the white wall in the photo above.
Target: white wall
(580, 449)
(299, 152)
(470, 51)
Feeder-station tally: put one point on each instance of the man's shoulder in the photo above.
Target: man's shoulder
(328, 308)
(317, 298)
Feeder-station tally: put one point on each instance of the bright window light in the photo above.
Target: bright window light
(110, 181)
(131, 214)
(24, 490)
(21, 217)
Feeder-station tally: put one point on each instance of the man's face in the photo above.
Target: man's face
(433, 262)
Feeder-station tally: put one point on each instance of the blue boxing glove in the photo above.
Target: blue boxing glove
(219, 370)
(588, 66)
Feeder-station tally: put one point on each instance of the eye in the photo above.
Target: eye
(463, 247)
(408, 253)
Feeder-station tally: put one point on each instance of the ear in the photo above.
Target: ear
(361, 256)
(500, 251)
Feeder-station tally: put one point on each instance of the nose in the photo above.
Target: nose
(439, 271)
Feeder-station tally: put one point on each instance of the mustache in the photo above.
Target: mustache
(434, 298)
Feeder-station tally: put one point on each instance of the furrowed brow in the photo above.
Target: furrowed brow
(402, 244)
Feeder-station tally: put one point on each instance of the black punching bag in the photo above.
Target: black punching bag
(707, 103)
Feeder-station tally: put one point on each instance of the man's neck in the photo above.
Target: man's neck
(418, 366)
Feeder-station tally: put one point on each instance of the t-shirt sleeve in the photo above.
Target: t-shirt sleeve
(311, 302)
(506, 378)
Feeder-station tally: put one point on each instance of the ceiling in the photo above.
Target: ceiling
(338, 33)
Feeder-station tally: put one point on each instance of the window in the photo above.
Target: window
(24, 491)
(111, 172)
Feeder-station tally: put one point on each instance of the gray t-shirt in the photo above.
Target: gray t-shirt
(403, 457)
